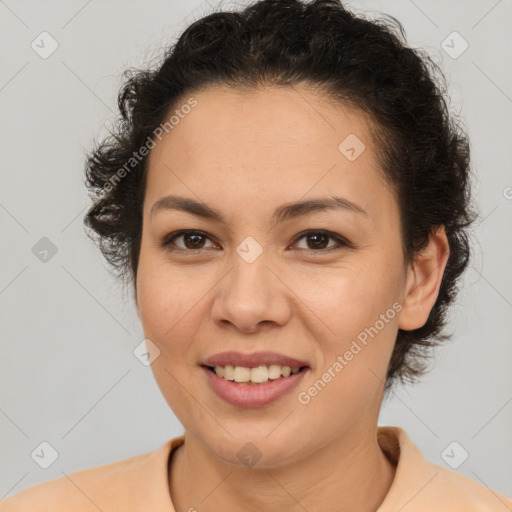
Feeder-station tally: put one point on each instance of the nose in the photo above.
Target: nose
(252, 295)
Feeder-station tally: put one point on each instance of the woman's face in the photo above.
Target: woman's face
(253, 282)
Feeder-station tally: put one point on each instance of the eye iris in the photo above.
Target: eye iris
(317, 236)
(195, 237)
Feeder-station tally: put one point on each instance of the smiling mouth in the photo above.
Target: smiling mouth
(256, 375)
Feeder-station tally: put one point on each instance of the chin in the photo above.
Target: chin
(254, 449)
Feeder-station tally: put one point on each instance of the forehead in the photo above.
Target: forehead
(284, 121)
(278, 143)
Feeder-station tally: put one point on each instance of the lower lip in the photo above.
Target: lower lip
(253, 395)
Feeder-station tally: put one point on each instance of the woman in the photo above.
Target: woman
(289, 198)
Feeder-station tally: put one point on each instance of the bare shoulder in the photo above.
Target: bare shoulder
(90, 489)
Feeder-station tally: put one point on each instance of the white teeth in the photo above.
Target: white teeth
(229, 372)
(274, 371)
(242, 374)
(258, 374)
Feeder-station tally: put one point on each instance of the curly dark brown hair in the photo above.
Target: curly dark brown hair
(422, 148)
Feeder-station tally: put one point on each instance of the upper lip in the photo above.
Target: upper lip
(253, 360)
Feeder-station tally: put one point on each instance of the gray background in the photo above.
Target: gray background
(68, 375)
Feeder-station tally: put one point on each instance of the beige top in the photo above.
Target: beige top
(140, 483)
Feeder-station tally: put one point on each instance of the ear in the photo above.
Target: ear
(423, 281)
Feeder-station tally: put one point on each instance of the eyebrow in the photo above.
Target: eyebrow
(281, 214)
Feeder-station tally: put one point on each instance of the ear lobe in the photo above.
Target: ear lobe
(424, 278)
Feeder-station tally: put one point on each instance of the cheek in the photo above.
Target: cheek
(166, 309)
(344, 299)
(354, 361)
(167, 301)
(358, 309)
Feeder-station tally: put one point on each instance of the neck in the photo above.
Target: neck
(352, 472)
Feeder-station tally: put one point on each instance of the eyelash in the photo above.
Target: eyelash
(342, 243)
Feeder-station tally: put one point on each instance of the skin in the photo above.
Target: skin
(246, 153)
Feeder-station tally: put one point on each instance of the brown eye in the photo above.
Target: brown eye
(318, 241)
(192, 240)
